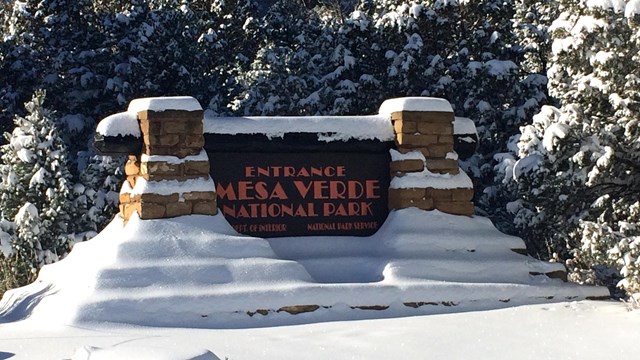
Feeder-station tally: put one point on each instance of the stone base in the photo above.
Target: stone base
(450, 201)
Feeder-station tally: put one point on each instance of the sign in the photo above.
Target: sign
(298, 194)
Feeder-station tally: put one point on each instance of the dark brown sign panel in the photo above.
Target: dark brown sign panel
(298, 194)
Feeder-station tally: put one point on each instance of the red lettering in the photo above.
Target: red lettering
(261, 190)
(366, 209)
(229, 210)
(278, 192)
(273, 210)
(302, 188)
(242, 212)
(337, 190)
(226, 193)
(286, 210)
(249, 171)
(319, 190)
(243, 188)
(356, 190)
(372, 186)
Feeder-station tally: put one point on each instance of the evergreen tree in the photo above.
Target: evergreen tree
(579, 164)
(96, 194)
(468, 53)
(36, 187)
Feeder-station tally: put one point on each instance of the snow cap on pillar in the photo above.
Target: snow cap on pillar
(120, 124)
(158, 104)
(414, 104)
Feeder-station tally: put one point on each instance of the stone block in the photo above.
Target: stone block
(440, 150)
(414, 197)
(194, 141)
(422, 203)
(445, 139)
(199, 195)
(133, 159)
(411, 193)
(160, 168)
(403, 126)
(169, 140)
(424, 116)
(405, 149)
(205, 208)
(558, 274)
(438, 128)
(150, 140)
(298, 309)
(178, 209)
(161, 140)
(131, 179)
(128, 209)
(396, 115)
(159, 150)
(124, 198)
(455, 207)
(132, 167)
(196, 168)
(174, 126)
(411, 165)
(168, 115)
(438, 117)
(412, 140)
(152, 211)
(194, 126)
(183, 152)
(439, 194)
(159, 199)
(462, 194)
(149, 128)
(443, 166)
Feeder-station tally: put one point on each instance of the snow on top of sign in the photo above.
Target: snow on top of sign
(174, 160)
(427, 179)
(120, 124)
(168, 187)
(415, 104)
(410, 155)
(186, 103)
(328, 128)
(463, 125)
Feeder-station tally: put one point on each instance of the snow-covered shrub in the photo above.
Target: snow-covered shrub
(577, 170)
(96, 193)
(35, 188)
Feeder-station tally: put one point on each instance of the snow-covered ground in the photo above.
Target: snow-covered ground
(427, 284)
(569, 330)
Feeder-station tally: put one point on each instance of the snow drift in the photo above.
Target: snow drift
(196, 271)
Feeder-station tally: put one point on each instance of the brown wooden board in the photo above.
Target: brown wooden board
(302, 194)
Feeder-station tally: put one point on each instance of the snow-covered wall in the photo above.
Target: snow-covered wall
(170, 176)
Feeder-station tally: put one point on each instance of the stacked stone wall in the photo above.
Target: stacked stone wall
(425, 141)
(171, 177)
